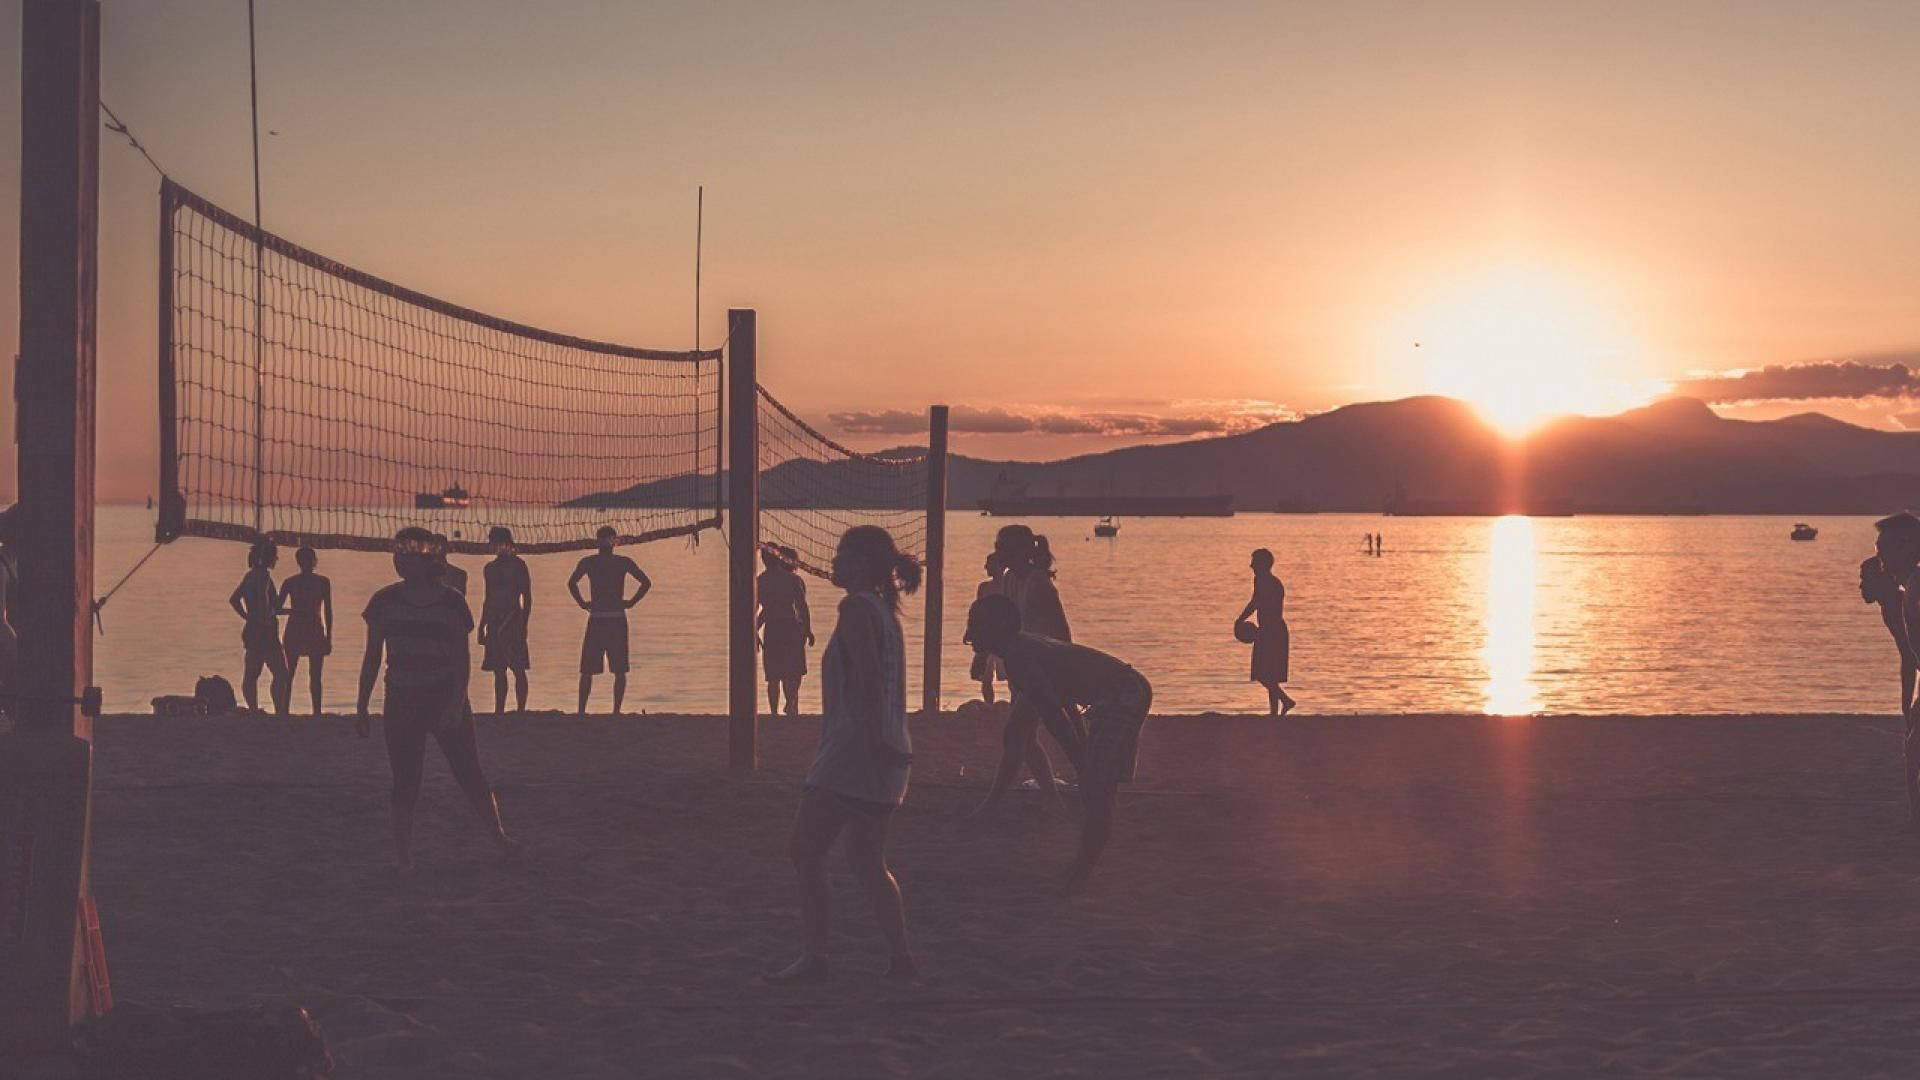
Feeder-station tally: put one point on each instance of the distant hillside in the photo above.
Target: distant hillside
(1434, 455)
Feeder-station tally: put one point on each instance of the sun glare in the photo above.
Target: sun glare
(1524, 347)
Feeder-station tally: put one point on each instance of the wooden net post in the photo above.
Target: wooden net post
(46, 763)
(743, 540)
(936, 555)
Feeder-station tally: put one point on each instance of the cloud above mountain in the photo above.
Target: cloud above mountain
(1183, 419)
(1833, 379)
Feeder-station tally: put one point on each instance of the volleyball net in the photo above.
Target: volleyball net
(813, 489)
(307, 402)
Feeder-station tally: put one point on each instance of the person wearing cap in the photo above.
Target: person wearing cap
(604, 647)
(504, 615)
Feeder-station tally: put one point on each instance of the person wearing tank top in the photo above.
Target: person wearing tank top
(859, 773)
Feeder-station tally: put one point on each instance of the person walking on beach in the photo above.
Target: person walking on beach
(1093, 704)
(1270, 643)
(604, 646)
(504, 615)
(420, 626)
(786, 627)
(1893, 584)
(859, 774)
(986, 666)
(258, 604)
(306, 599)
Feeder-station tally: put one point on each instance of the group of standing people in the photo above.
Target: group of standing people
(306, 600)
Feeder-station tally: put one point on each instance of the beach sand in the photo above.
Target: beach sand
(1321, 896)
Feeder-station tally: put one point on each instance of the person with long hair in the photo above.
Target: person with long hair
(786, 627)
(1029, 584)
(1892, 584)
(986, 666)
(1094, 704)
(504, 614)
(859, 774)
(1271, 643)
(307, 600)
(258, 604)
(420, 626)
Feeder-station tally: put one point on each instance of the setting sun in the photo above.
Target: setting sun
(1523, 347)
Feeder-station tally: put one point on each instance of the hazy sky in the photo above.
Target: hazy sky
(1165, 211)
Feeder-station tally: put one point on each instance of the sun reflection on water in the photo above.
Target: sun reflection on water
(1511, 582)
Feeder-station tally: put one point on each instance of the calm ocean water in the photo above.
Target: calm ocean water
(1593, 615)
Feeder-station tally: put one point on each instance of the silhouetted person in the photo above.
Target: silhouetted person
(1379, 544)
(258, 604)
(450, 575)
(1366, 541)
(986, 666)
(859, 774)
(420, 625)
(1270, 644)
(306, 599)
(786, 627)
(9, 597)
(1093, 704)
(1897, 550)
(604, 646)
(1029, 584)
(504, 616)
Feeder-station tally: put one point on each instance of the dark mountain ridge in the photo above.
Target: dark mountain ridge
(1435, 454)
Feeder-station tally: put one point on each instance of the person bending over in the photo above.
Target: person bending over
(1093, 704)
(420, 626)
(604, 647)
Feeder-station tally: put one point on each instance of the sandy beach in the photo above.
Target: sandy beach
(1400, 896)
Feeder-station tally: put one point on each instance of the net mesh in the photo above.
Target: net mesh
(367, 407)
(812, 489)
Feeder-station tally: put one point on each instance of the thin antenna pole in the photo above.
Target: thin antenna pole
(699, 229)
(259, 290)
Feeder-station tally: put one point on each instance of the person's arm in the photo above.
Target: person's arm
(526, 597)
(326, 605)
(1022, 728)
(573, 585)
(800, 603)
(639, 575)
(283, 603)
(237, 600)
(369, 674)
(1247, 612)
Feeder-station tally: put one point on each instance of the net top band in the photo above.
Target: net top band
(172, 195)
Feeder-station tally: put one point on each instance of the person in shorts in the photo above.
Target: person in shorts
(257, 603)
(1093, 704)
(307, 600)
(503, 620)
(420, 627)
(604, 646)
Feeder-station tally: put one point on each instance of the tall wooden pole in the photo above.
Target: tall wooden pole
(936, 556)
(46, 763)
(743, 540)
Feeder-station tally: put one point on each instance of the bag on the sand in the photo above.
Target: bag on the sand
(215, 694)
(178, 705)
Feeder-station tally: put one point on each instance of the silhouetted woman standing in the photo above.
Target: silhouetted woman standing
(257, 603)
(1271, 644)
(307, 600)
(786, 628)
(859, 774)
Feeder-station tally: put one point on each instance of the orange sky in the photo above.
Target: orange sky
(1161, 211)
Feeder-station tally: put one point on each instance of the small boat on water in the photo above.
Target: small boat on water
(1106, 527)
(452, 498)
(1804, 531)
